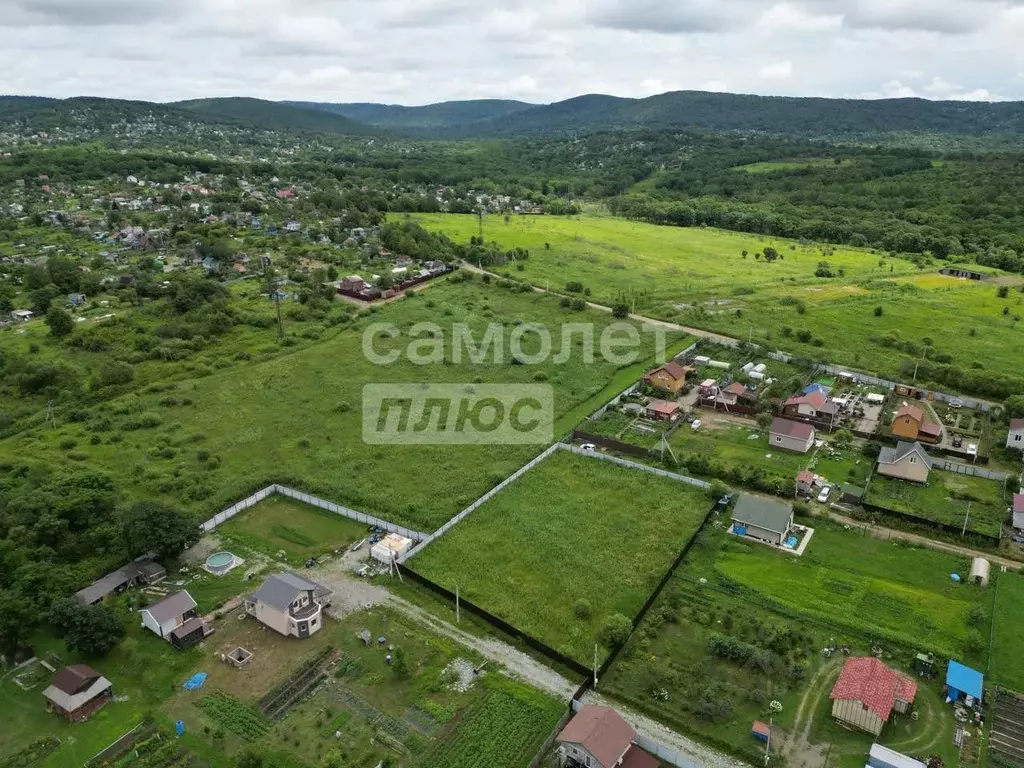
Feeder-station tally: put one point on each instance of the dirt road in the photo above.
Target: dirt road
(798, 749)
(880, 532)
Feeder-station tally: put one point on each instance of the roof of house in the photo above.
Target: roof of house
(928, 428)
(638, 758)
(115, 579)
(74, 678)
(186, 629)
(69, 702)
(805, 476)
(964, 679)
(1016, 424)
(869, 681)
(601, 731)
(893, 758)
(279, 590)
(672, 368)
(770, 515)
(1018, 502)
(830, 407)
(901, 451)
(909, 410)
(790, 428)
(663, 406)
(815, 399)
(171, 607)
(736, 388)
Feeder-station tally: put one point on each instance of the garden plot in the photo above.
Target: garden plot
(1007, 663)
(949, 498)
(740, 626)
(571, 544)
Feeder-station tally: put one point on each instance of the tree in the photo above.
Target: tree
(17, 620)
(152, 526)
(878, 311)
(90, 629)
(385, 282)
(615, 631)
(1003, 291)
(770, 254)
(842, 438)
(764, 420)
(1014, 406)
(250, 759)
(399, 665)
(60, 322)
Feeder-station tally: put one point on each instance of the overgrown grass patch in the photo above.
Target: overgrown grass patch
(947, 497)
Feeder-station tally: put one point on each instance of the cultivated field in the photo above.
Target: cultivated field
(945, 499)
(569, 544)
(699, 277)
(710, 656)
(297, 419)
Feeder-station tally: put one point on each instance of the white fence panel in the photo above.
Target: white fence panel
(635, 465)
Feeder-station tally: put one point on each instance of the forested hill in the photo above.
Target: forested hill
(27, 114)
(432, 118)
(791, 116)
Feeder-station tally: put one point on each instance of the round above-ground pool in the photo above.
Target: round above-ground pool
(220, 562)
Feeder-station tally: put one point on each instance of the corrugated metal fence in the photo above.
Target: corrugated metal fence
(226, 514)
(968, 469)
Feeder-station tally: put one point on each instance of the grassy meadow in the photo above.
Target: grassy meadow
(771, 166)
(1006, 666)
(948, 498)
(699, 277)
(296, 418)
(572, 542)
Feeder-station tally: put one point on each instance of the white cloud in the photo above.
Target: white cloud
(420, 51)
(779, 71)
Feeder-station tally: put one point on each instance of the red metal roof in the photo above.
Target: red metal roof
(663, 406)
(75, 678)
(601, 731)
(672, 368)
(871, 682)
(815, 399)
(1018, 503)
(1016, 424)
(637, 758)
(912, 411)
(805, 477)
(736, 388)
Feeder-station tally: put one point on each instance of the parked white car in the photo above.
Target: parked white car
(588, 447)
(825, 491)
(695, 424)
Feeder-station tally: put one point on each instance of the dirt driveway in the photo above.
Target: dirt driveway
(797, 748)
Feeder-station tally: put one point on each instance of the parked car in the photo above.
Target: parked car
(695, 424)
(957, 441)
(588, 447)
(823, 496)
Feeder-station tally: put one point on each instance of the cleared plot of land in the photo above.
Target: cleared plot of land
(1007, 663)
(947, 498)
(699, 277)
(572, 529)
(297, 419)
(301, 531)
(770, 166)
(710, 656)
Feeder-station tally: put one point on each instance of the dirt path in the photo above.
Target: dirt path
(798, 749)
(880, 532)
(645, 726)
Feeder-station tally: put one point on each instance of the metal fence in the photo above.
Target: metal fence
(224, 515)
(968, 469)
(425, 540)
(634, 465)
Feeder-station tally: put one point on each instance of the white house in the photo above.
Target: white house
(289, 604)
(796, 436)
(1015, 437)
(175, 620)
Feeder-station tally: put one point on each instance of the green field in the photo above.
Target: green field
(771, 166)
(571, 529)
(279, 523)
(782, 610)
(297, 418)
(1007, 664)
(698, 277)
(945, 499)
(414, 718)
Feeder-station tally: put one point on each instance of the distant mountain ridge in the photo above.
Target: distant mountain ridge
(695, 110)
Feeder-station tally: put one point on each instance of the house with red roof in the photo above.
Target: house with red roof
(662, 410)
(598, 737)
(804, 482)
(806, 404)
(910, 423)
(868, 692)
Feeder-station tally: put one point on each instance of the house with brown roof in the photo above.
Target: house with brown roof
(175, 620)
(907, 461)
(806, 404)
(736, 394)
(669, 377)
(868, 692)
(77, 691)
(910, 423)
(662, 410)
(788, 435)
(804, 482)
(1015, 437)
(1018, 511)
(598, 737)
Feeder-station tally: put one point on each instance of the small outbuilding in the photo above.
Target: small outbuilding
(762, 519)
(390, 548)
(852, 494)
(963, 683)
(804, 482)
(883, 757)
(980, 568)
(662, 410)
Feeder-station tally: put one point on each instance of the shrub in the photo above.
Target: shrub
(581, 610)
(620, 311)
(878, 311)
(615, 631)
(67, 444)
(574, 286)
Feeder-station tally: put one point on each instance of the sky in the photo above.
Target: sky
(424, 51)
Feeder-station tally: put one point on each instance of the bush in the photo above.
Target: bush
(574, 286)
(581, 610)
(67, 444)
(615, 631)
(879, 311)
(620, 311)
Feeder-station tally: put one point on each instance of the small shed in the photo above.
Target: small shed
(980, 568)
(962, 682)
(804, 482)
(883, 757)
(924, 665)
(390, 547)
(852, 494)
(761, 730)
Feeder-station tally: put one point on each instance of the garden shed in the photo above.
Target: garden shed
(962, 682)
(852, 494)
(980, 568)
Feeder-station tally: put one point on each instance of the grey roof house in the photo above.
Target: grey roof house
(907, 461)
(175, 619)
(762, 519)
(143, 571)
(289, 604)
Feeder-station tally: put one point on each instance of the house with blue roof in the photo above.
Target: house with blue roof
(963, 683)
(816, 387)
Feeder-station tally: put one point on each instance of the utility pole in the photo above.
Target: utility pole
(924, 356)
(966, 518)
(456, 603)
(595, 665)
